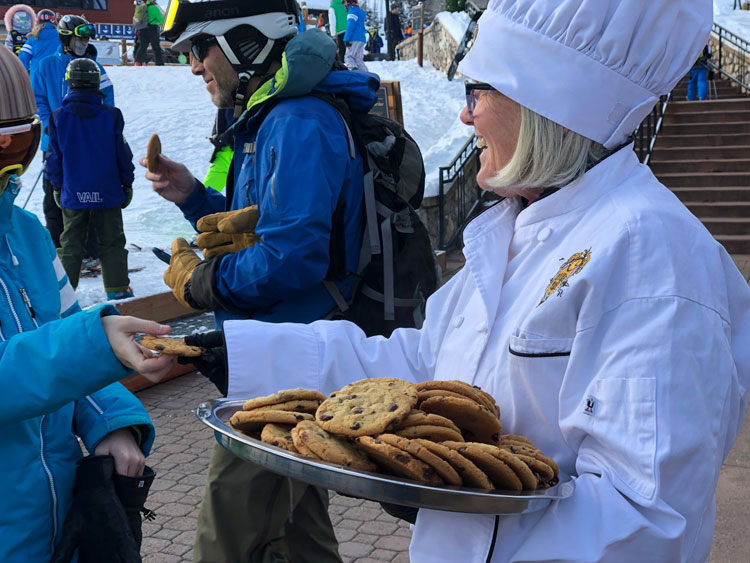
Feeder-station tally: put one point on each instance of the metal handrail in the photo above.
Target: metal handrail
(725, 36)
(455, 174)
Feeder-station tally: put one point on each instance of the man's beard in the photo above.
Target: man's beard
(224, 96)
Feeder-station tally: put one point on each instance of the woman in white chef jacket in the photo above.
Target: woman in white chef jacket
(608, 324)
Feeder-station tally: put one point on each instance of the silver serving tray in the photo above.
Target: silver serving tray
(368, 485)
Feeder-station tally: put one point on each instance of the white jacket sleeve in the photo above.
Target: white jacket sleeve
(263, 358)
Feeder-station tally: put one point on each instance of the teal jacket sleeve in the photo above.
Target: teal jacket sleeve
(110, 409)
(58, 363)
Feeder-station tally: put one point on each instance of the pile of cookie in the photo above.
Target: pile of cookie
(435, 432)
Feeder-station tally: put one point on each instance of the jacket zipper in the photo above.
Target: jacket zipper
(29, 308)
(46, 468)
(51, 480)
(10, 304)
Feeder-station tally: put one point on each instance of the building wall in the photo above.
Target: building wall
(117, 12)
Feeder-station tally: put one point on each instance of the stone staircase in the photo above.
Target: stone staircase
(703, 156)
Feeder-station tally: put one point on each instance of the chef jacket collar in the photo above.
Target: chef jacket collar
(598, 181)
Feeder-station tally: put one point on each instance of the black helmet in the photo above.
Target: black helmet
(78, 26)
(83, 74)
(46, 16)
(251, 33)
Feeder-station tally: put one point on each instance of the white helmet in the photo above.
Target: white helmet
(250, 33)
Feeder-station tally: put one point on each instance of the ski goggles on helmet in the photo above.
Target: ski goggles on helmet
(84, 31)
(18, 145)
(180, 13)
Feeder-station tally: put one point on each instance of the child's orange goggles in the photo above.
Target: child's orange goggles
(18, 145)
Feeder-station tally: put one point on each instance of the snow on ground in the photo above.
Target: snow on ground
(172, 102)
(736, 21)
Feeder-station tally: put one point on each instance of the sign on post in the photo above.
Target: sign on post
(388, 103)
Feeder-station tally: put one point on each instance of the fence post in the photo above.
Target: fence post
(123, 51)
(420, 35)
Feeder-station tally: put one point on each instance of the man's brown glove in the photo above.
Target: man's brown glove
(230, 231)
(181, 267)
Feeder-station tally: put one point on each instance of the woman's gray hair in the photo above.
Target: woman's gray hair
(547, 155)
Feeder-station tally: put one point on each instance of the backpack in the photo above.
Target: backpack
(397, 268)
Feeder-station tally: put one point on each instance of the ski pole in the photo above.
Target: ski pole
(28, 197)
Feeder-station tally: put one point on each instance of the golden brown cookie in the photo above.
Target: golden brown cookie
(367, 407)
(501, 475)
(538, 467)
(526, 448)
(424, 395)
(300, 445)
(279, 435)
(443, 468)
(153, 150)
(330, 447)
(477, 422)
(171, 346)
(462, 388)
(471, 475)
(429, 432)
(529, 480)
(419, 418)
(390, 384)
(283, 396)
(253, 421)
(397, 461)
(303, 405)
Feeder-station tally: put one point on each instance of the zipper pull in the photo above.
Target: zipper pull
(27, 301)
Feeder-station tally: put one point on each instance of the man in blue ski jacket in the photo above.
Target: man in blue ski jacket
(58, 368)
(295, 175)
(50, 88)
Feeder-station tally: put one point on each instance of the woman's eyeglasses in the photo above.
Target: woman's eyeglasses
(199, 47)
(472, 95)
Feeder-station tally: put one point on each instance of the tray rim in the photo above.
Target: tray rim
(463, 499)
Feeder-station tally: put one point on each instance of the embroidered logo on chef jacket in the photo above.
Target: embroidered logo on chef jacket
(570, 268)
(590, 404)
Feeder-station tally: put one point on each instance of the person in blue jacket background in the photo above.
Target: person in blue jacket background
(50, 88)
(42, 42)
(293, 160)
(92, 176)
(58, 365)
(355, 36)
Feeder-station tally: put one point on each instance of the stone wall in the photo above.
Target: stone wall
(439, 47)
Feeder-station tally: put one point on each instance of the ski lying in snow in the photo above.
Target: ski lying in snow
(97, 271)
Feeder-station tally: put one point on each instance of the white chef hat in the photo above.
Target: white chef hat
(596, 67)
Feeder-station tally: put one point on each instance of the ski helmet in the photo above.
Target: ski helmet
(16, 96)
(20, 131)
(83, 74)
(46, 16)
(251, 34)
(70, 26)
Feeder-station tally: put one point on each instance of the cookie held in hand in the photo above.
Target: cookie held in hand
(153, 150)
(171, 346)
